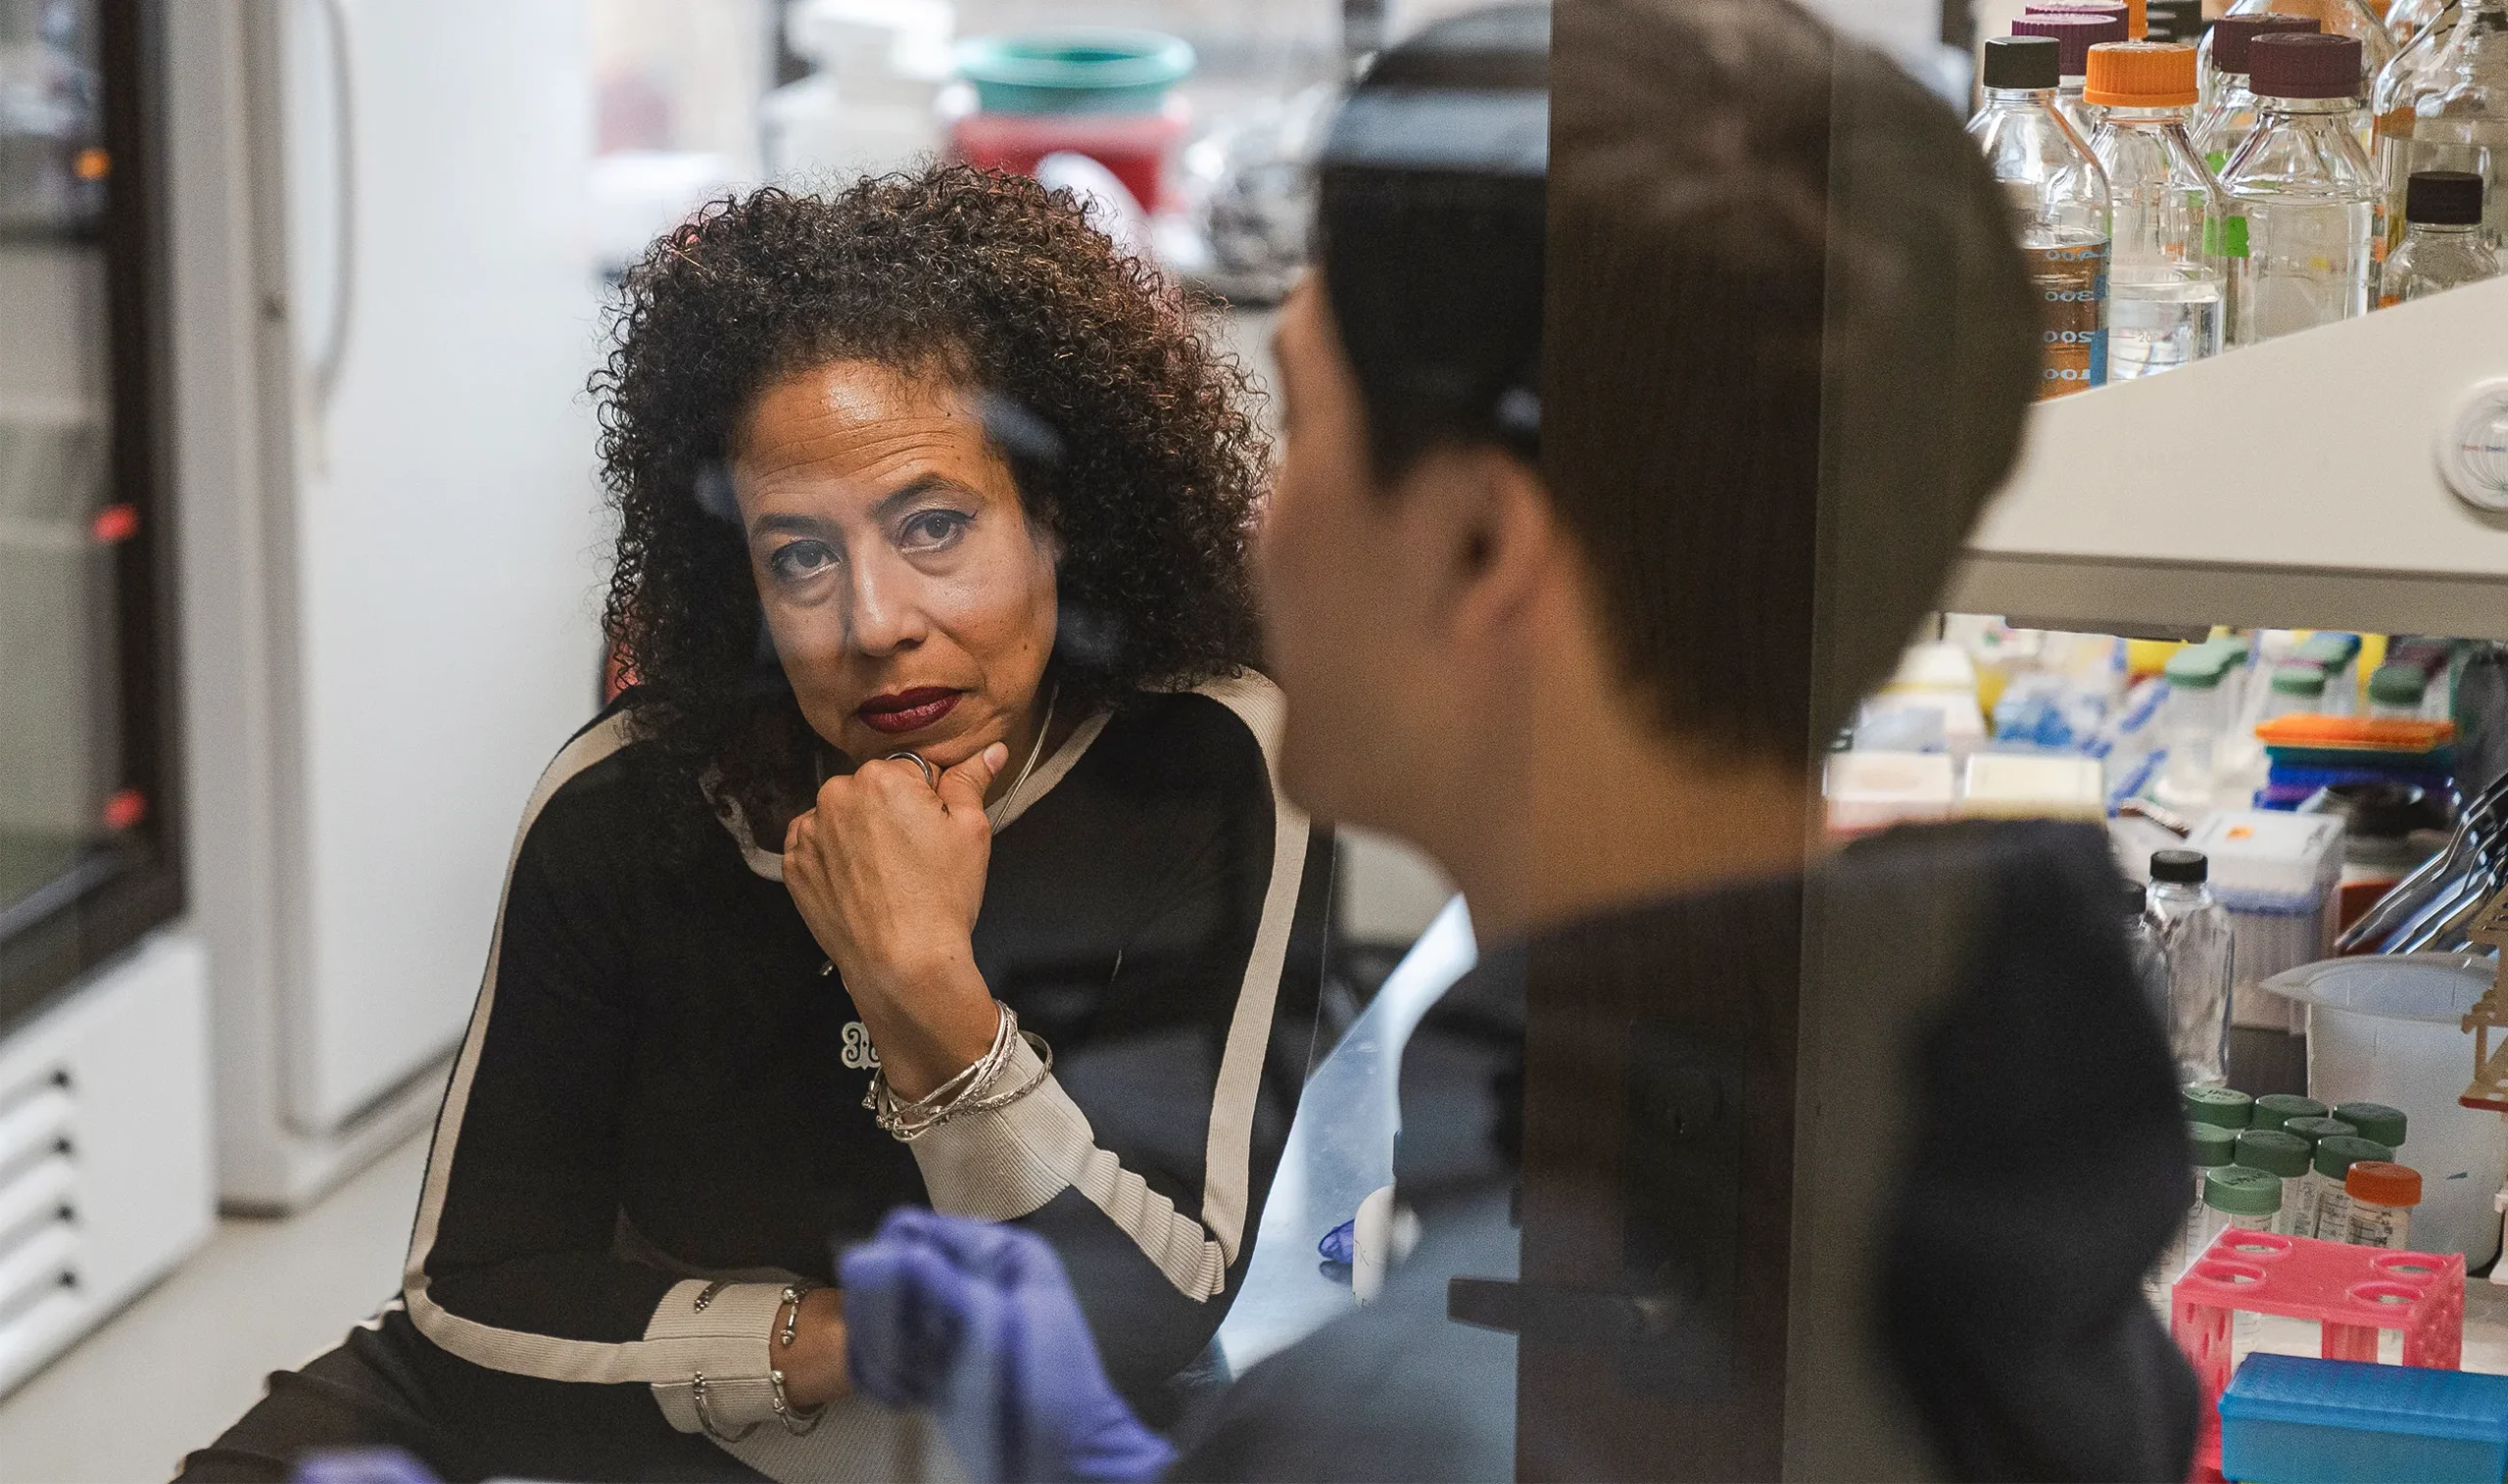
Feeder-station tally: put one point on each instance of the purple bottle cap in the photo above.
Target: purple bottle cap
(2298, 64)
(2232, 36)
(2077, 33)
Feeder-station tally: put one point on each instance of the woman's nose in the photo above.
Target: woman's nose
(886, 612)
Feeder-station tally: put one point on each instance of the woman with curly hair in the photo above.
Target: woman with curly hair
(934, 858)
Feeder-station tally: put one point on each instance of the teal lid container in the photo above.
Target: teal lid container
(2316, 1131)
(2212, 1144)
(2239, 1190)
(1088, 71)
(2275, 1151)
(2274, 1109)
(2375, 1120)
(2336, 1156)
(2225, 1106)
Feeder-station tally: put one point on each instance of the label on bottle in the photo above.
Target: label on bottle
(2072, 284)
(2394, 124)
(2225, 237)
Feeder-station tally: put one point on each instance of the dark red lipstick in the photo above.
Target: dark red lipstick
(903, 711)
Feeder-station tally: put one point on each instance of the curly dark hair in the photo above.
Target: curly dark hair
(1122, 420)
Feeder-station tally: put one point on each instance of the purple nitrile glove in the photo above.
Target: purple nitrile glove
(978, 1322)
(360, 1465)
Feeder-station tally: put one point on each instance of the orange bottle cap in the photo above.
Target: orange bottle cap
(2381, 1183)
(2140, 74)
(2137, 19)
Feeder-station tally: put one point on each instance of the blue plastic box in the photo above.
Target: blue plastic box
(2290, 1419)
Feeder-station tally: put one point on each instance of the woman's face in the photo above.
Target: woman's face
(910, 599)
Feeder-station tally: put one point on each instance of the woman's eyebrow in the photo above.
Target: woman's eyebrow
(788, 525)
(915, 489)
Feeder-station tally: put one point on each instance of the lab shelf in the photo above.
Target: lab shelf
(2292, 484)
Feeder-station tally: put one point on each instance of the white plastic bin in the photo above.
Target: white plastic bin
(2388, 1028)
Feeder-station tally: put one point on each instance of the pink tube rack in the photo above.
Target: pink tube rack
(2352, 1292)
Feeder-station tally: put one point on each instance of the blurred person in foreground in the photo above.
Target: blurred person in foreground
(1576, 611)
(935, 858)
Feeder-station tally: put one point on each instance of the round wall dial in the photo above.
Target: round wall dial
(2473, 446)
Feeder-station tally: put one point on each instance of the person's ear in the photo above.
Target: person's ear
(1491, 534)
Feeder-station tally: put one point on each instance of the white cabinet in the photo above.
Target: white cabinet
(2292, 485)
(105, 1178)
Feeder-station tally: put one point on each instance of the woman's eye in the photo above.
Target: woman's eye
(800, 559)
(929, 530)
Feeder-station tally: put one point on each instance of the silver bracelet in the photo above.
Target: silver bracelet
(705, 1418)
(794, 1293)
(796, 1421)
(909, 1118)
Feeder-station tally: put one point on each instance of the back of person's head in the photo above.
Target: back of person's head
(1784, 337)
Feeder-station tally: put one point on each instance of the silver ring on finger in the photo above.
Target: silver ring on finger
(931, 773)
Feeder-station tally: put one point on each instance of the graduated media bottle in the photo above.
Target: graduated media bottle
(2074, 36)
(2194, 932)
(2164, 287)
(2059, 200)
(2337, 17)
(2443, 244)
(2443, 106)
(2307, 198)
(2227, 113)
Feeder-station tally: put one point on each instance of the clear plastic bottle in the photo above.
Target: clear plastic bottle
(2306, 193)
(2337, 17)
(2210, 1147)
(2383, 1194)
(2338, 656)
(2059, 195)
(2165, 289)
(2198, 714)
(2443, 106)
(2279, 1153)
(2194, 932)
(2143, 950)
(2299, 689)
(2328, 1213)
(2074, 36)
(2444, 241)
(2239, 1199)
(2300, 1195)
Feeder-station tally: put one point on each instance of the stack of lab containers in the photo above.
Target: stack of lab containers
(2277, 874)
(2268, 183)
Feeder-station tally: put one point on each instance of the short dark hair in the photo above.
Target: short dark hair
(1121, 417)
(1788, 340)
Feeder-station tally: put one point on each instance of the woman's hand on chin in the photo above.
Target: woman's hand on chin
(889, 873)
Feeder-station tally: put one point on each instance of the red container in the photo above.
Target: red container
(1132, 146)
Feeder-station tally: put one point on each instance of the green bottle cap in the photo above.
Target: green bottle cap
(2329, 649)
(2212, 1144)
(2375, 1120)
(2299, 678)
(2275, 1151)
(2225, 1106)
(2316, 1131)
(2274, 1109)
(2197, 667)
(2397, 684)
(2336, 1156)
(2243, 1191)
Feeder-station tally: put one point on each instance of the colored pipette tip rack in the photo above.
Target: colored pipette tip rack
(2291, 1417)
(2354, 733)
(2350, 1292)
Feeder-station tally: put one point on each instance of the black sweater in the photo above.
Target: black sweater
(661, 1088)
(1897, 1140)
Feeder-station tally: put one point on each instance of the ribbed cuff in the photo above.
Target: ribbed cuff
(736, 1328)
(1003, 1162)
